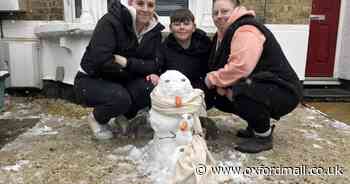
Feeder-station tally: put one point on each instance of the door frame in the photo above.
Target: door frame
(341, 29)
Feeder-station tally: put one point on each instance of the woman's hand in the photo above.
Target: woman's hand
(221, 91)
(153, 78)
(228, 93)
(208, 83)
(120, 60)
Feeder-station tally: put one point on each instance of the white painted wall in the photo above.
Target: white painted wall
(342, 65)
(14, 29)
(294, 40)
(23, 53)
(9, 5)
(68, 55)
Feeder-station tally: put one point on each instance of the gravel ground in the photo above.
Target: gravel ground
(48, 141)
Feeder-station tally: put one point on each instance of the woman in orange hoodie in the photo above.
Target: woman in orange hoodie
(250, 75)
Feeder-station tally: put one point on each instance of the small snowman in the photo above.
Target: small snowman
(178, 144)
(175, 108)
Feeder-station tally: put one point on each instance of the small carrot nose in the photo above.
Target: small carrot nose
(178, 101)
(183, 126)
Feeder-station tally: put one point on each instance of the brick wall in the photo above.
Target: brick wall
(281, 11)
(276, 11)
(40, 10)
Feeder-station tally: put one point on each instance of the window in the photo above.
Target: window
(165, 7)
(73, 9)
(78, 8)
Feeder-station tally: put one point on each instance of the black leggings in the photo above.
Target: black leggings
(276, 103)
(110, 99)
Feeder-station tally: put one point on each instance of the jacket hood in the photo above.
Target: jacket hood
(237, 13)
(196, 47)
(115, 8)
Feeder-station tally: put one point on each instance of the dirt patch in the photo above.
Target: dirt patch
(339, 111)
(11, 128)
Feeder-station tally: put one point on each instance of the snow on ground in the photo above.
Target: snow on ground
(61, 149)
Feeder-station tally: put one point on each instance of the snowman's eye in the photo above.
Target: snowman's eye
(183, 80)
(167, 81)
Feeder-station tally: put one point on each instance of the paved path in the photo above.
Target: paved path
(60, 148)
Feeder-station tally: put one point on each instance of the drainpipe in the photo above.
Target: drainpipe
(1, 30)
(265, 6)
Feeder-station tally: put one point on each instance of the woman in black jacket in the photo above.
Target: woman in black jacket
(250, 75)
(120, 54)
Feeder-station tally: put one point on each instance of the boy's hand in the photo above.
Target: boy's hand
(153, 78)
(120, 60)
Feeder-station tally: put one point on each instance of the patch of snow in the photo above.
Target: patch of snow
(301, 130)
(312, 135)
(330, 143)
(38, 131)
(310, 118)
(6, 115)
(340, 125)
(261, 158)
(159, 174)
(317, 146)
(312, 125)
(112, 157)
(124, 149)
(16, 167)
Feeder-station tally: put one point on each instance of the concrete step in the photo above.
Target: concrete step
(326, 94)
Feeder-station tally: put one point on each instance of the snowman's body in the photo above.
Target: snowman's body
(168, 136)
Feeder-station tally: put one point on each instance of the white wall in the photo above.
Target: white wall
(294, 41)
(14, 29)
(23, 53)
(68, 55)
(342, 65)
(6, 5)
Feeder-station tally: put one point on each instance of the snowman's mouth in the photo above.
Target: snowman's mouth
(173, 136)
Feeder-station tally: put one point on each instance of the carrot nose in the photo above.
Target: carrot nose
(183, 126)
(178, 101)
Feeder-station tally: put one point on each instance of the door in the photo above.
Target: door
(323, 38)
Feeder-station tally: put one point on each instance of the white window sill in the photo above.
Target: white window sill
(61, 28)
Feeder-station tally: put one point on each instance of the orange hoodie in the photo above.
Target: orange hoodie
(246, 48)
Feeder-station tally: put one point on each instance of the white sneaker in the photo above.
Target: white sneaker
(101, 132)
(121, 123)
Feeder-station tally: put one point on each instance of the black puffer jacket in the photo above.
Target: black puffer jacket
(192, 62)
(114, 34)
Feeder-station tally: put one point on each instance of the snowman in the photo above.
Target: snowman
(178, 145)
(175, 108)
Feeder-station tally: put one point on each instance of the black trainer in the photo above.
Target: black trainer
(256, 144)
(245, 133)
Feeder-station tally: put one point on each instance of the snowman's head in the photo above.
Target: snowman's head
(173, 83)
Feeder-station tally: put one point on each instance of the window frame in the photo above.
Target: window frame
(192, 5)
(200, 9)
